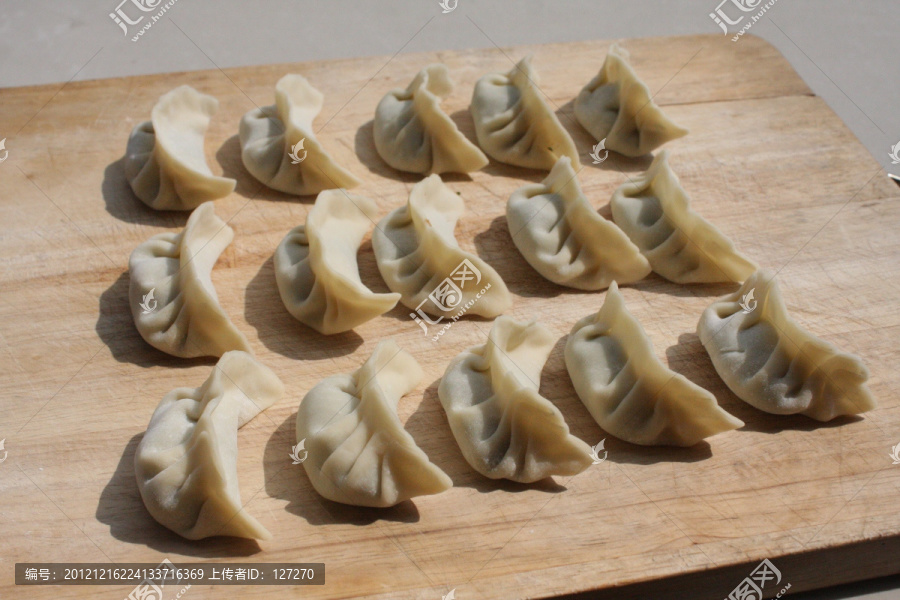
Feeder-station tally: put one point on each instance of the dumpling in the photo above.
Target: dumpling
(279, 147)
(655, 212)
(413, 134)
(419, 258)
(628, 390)
(165, 163)
(515, 125)
(502, 424)
(358, 451)
(565, 239)
(172, 298)
(186, 463)
(616, 106)
(316, 268)
(769, 361)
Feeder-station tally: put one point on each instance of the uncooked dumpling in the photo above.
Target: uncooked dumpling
(186, 463)
(279, 147)
(172, 298)
(769, 361)
(628, 390)
(358, 451)
(165, 163)
(419, 258)
(316, 268)
(413, 134)
(515, 125)
(502, 424)
(655, 212)
(561, 235)
(616, 106)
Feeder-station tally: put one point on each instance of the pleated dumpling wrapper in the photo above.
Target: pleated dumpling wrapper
(316, 268)
(412, 132)
(165, 163)
(357, 450)
(515, 125)
(186, 463)
(172, 298)
(418, 257)
(628, 390)
(279, 146)
(616, 106)
(655, 212)
(561, 235)
(769, 361)
(502, 424)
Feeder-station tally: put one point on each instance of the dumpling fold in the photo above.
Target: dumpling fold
(186, 463)
(769, 361)
(165, 163)
(358, 451)
(515, 125)
(279, 147)
(628, 390)
(655, 212)
(172, 298)
(616, 106)
(412, 132)
(316, 268)
(419, 257)
(502, 424)
(561, 235)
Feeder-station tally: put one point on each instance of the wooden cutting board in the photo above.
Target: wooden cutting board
(766, 161)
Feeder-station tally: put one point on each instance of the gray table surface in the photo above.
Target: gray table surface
(847, 52)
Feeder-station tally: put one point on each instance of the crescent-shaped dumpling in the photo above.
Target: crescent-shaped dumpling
(515, 125)
(502, 424)
(616, 106)
(413, 134)
(561, 235)
(655, 212)
(186, 463)
(419, 257)
(358, 451)
(172, 298)
(769, 361)
(279, 147)
(626, 388)
(165, 163)
(316, 269)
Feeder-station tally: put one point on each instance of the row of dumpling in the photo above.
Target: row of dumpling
(552, 224)
(316, 270)
(166, 167)
(357, 451)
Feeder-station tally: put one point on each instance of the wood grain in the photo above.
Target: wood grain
(766, 161)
